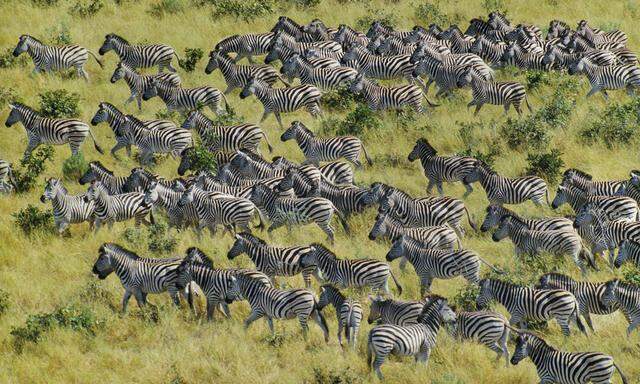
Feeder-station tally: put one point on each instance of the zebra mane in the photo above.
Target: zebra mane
(428, 306)
(539, 341)
(333, 289)
(115, 248)
(34, 39)
(252, 238)
(514, 218)
(21, 106)
(324, 249)
(486, 167)
(578, 172)
(225, 40)
(135, 120)
(500, 16)
(506, 283)
(193, 253)
(303, 128)
(118, 38)
(98, 164)
(425, 142)
(559, 278)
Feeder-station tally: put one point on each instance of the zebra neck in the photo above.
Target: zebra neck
(167, 92)
(505, 293)
(132, 78)
(263, 93)
(227, 67)
(336, 298)
(122, 48)
(36, 49)
(539, 353)
(123, 268)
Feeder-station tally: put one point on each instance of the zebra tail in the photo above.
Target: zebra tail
(622, 376)
(369, 352)
(590, 259)
(579, 321)
(226, 103)
(366, 155)
(178, 58)
(285, 82)
(433, 105)
(546, 196)
(100, 63)
(95, 143)
(343, 221)
(12, 179)
(526, 100)
(151, 218)
(266, 139)
(471, 223)
(396, 282)
(493, 267)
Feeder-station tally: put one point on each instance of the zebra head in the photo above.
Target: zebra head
(186, 159)
(240, 245)
(419, 52)
(629, 249)
(151, 194)
(494, 214)
(293, 130)
(187, 196)
(234, 288)
(151, 90)
(387, 202)
(291, 67)
(15, 115)
(555, 280)
(635, 177)
(379, 227)
(375, 29)
(214, 62)
(397, 249)
(326, 291)
(375, 308)
(582, 26)
(259, 194)
(352, 54)
(250, 87)
(580, 66)
(523, 348)
(550, 55)
(421, 149)
(610, 296)
(119, 72)
(110, 42)
(436, 308)
(281, 162)
(374, 44)
(378, 190)
(190, 121)
(183, 273)
(561, 197)
(586, 215)
(102, 115)
(509, 52)
(51, 188)
(415, 35)
(90, 174)
(504, 228)
(104, 265)
(476, 46)
(485, 296)
(287, 182)
(22, 46)
(310, 258)
(358, 83)
(96, 189)
(475, 173)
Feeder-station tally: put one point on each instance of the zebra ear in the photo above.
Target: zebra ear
(12, 105)
(237, 236)
(373, 299)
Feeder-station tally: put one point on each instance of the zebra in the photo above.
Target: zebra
(345, 35)
(380, 98)
(271, 260)
(273, 303)
(348, 312)
(614, 207)
(45, 130)
(317, 149)
(554, 366)
(296, 31)
(377, 27)
(556, 28)
(349, 273)
(629, 250)
(283, 100)
(183, 100)
(215, 208)
(507, 93)
(167, 198)
(424, 212)
(67, 209)
(555, 57)
(496, 212)
(558, 242)
(516, 55)
(396, 312)
(98, 172)
(431, 264)
(489, 51)
(170, 139)
(229, 138)
(138, 83)
(458, 42)
(419, 34)
(599, 37)
(627, 297)
(292, 211)
(139, 56)
(376, 67)
(54, 58)
(607, 78)
(139, 276)
(441, 236)
(444, 76)
(7, 180)
(526, 38)
(337, 172)
(588, 294)
(246, 165)
(441, 168)
(391, 46)
(584, 181)
(237, 76)
(323, 78)
(415, 339)
(115, 208)
(317, 56)
(283, 46)
(489, 328)
(524, 303)
(503, 190)
(108, 113)
(245, 45)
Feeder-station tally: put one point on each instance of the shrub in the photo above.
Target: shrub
(86, 8)
(74, 167)
(159, 240)
(246, 10)
(133, 235)
(59, 103)
(525, 133)
(201, 159)
(359, 121)
(473, 143)
(7, 60)
(631, 275)
(7, 95)
(545, 165)
(4, 301)
(44, 3)
(165, 114)
(465, 298)
(31, 167)
(166, 7)
(618, 125)
(378, 14)
(493, 5)
(430, 12)
(32, 219)
(59, 35)
(192, 56)
(333, 376)
(556, 112)
(536, 79)
(340, 99)
(229, 118)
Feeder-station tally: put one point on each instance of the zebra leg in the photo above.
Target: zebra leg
(118, 147)
(403, 264)
(302, 319)
(81, 72)
(270, 324)
(377, 363)
(75, 148)
(478, 106)
(593, 91)
(430, 186)
(564, 325)
(506, 108)
(255, 315)
(439, 188)
(125, 300)
(425, 285)
(322, 322)
(265, 114)
(141, 298)
(31, 145)
(228, 90)
(587, 317)
(211, 307)
(634, 324)
(423, 355)
(340, 327)
(354, 337)
(277, 114)
(605, 94)
(326, 227)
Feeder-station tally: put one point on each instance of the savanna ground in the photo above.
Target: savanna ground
(89, 340)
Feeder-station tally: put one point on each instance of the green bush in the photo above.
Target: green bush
(4, 301)
(166, 7)
(474, 145)
(32, 219)
(557, 111)
(617, 125)
(74, 167)
(59, 103)
(86, 8)
(524, 133)
(246, 10)
(7, 60)
(44, 3)
(332, 376)
(359, 121)
(546, 165)
(192, 56)
(31, 168)
(387, 18)
(201, 159)
(164, 114)
(59, 35)
(493, 5)
(430, 12)
(340, 99)
(159, 240)
(229, 118)
(631, 274)
(465, 298)
(7, 95)
(537, 79)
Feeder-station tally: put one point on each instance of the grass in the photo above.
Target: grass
(42, 272)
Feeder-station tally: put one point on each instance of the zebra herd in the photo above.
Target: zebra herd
(426, 232)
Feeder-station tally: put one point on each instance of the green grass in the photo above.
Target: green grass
(43, 273)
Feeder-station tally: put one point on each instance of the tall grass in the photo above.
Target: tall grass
(42, 272)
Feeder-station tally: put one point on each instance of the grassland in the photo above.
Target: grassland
(44, 272)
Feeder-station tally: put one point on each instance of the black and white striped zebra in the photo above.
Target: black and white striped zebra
(348, 312)
(558, 242)
(67, 209)
(323, 78)
(318, 57)
(440, 236)
(139, 83)
(588, 294)
(517, 56)
(524, 303)
(54, 58)
(614, 207)
(45, 130)
(139, 56)
(440, 169)
(278, 100)
(431, 264)
(629, 250)
(225, 138)
(505, 93)
(584, 181)
(7, 180)
(183, 100)
(272, 303)
(337, 172)
(377, 67)
(349, 273)
(284, 45)
(110, 209)
(503, 190)
(607, 78)
(237, 76)
(489, 328)
(527, 39)
(396, 312)
(295, 30)
(249, 45)
(169, 139)
(317, 149)
(249, 166)
(627, 297)
(489, 51)
(139, 276)
(496, 212)
(416, 339)
(444, 76)
(599, 37)
(378, 27)
(554, 366)
(345, 35)
(458, 42)
(98, 172)
(556, 57)
(272, 260)
(380, 98)
(167, 198)
(391, 46)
